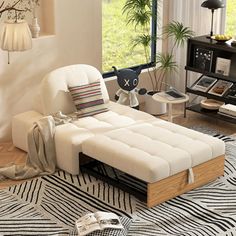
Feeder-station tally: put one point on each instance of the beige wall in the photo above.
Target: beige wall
(77, 40)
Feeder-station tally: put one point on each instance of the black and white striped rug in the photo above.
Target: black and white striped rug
(50, 205)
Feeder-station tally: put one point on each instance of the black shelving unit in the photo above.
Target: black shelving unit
(197, 108)
(222, 50)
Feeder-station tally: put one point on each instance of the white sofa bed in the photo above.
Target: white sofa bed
(132, 141)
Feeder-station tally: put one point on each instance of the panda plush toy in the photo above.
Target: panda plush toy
(128, 81)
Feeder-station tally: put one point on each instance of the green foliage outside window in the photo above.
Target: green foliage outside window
(118, 37)
(230, 18)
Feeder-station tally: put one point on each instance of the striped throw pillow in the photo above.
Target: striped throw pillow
(88, 99)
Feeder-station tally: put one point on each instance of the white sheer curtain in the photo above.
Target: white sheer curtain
(191, 14)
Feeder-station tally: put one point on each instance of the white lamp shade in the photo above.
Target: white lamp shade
(16, 36)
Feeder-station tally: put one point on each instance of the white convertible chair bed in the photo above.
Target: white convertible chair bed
(171, 159)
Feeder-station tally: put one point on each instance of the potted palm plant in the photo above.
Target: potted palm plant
(139, 13)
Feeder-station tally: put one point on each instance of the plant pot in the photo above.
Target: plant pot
(153, 107)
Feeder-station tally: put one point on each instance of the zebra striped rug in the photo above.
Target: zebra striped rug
(50, 205)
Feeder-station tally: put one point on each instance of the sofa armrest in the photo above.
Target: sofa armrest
(21, 124)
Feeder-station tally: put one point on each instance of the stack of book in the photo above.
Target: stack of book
(228, 110)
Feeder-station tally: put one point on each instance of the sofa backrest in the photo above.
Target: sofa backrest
(54, 94)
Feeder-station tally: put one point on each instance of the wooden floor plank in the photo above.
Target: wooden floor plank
(10, 155)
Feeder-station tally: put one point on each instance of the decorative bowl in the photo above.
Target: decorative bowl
(211, 104)
(221, 38)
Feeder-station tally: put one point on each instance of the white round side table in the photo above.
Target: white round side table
(157, 97)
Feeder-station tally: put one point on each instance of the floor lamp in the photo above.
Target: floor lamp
(15, 36)
(212, 5)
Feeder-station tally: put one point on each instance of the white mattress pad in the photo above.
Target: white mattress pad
(153, 150)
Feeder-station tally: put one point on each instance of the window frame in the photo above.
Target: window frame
(153, 45)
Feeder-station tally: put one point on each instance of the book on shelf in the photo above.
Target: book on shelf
(227, 115)
(228, 109)
(171, 94)
(204, 83)
(97, 221)
(231, 94)
(220, 88)
(222, 66)
(202, 59)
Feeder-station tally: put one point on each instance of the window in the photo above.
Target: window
(118, 36)
(230, 17)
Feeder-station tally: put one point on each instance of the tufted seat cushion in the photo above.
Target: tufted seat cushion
(69, 137)
(153, 151)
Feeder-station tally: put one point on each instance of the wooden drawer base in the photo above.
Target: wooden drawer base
(175, 185)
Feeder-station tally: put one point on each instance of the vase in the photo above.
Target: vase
(153, 107)
(35, 28)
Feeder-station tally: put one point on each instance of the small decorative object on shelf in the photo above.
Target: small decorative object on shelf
(223, 66)
(204, 83)
(34, 27)
(211, 104)
(220, 88)
(203, 59)
(221, 38)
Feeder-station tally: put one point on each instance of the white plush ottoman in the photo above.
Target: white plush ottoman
(162, 154)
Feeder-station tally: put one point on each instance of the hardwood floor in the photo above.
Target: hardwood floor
(9, 154)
